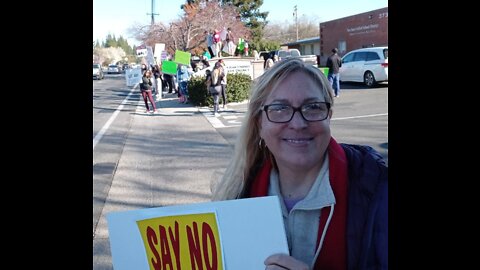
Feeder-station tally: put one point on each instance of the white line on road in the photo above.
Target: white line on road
(360, 116)
(111, 119)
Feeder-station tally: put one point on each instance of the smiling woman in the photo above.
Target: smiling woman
(285, 149)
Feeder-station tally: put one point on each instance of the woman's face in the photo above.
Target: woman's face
(298, 143)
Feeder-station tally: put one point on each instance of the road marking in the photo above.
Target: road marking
(234, 123)
(360, 116)
(105, 127)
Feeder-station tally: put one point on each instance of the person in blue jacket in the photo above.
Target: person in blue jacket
(334, 196)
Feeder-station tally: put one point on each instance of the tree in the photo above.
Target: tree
(109, 55)
(206, 17)
(252, 18)
(113, 50)
(187, 33)
(285, 32)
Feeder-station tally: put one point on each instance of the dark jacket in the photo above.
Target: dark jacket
(366, 233)
(146, 84)
(334, 62)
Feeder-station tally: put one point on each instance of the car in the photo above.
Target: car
(367, 65)
(112, 68)
(97, 72)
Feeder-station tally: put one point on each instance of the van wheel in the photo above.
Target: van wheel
(369, 79)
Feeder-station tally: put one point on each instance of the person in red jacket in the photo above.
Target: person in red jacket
(334, 197)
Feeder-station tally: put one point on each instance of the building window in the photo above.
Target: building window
(342, 46)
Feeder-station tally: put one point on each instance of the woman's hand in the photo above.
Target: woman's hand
(284, 261)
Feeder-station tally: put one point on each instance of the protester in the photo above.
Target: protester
(217, 41)
(183, 76)
(333, 196)
(229, 44)
(146, 90)
(224, 83)
(210, 44)
(215, 85)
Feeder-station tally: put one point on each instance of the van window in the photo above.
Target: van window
(348, 58)
(385, 53)
(372, 56)
(360, 56)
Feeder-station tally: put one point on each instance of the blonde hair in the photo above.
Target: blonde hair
(249, 152)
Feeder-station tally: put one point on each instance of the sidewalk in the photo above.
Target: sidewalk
(169, 158)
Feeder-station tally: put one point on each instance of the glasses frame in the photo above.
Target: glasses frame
(295, 109)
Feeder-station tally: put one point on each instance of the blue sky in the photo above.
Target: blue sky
(116, 16)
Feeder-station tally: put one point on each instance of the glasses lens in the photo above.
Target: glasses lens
(279, 113)
(315, 111)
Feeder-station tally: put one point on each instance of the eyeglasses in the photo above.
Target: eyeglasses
(311, 112)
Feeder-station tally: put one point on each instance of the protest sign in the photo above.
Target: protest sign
(169, 67)
(182, 57)
(234, 235)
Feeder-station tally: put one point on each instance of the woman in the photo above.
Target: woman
(146, 90)
(333, 196)
(215, 88)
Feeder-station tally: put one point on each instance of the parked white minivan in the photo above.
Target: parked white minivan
(367, 65)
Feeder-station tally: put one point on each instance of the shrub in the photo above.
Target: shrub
(197, 91)
(238, 88)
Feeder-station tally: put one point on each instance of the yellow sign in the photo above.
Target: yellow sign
(182, 242)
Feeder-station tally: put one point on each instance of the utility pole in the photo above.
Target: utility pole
(296, 18)
(153, 14)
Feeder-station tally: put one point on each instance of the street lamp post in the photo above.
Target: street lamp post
(296, 18)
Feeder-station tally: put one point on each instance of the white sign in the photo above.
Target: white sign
(157, 52)
(150, 59)
(164, 56)
(250, 230)
(133, 76)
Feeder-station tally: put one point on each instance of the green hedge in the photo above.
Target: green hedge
(238, 88)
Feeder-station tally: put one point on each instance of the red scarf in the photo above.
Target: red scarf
(333, 255)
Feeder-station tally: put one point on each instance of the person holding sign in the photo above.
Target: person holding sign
(334, 196)
(146, 90)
